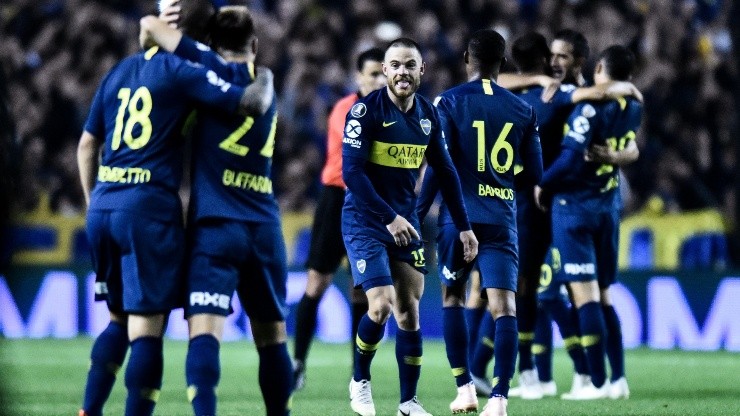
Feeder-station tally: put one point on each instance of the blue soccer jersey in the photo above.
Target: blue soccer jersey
(382, 151)
(232, 161)
(551, 117)
(592, 186)
(139, 110)
(487, 129)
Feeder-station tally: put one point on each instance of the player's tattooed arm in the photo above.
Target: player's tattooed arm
(88, 152)
(155, 31)
(258, 96)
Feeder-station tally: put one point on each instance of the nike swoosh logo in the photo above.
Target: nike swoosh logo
(386, 125)
(401, 411)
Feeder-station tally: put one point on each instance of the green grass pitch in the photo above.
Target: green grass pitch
(46, 377)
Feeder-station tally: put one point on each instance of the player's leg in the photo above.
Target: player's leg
(534, 237)
(145, 364)
(263, 289)
(371, 271)
(608, 250)
(497, 260)
(109, 349)
(475, 308)
(542, 351)
(151, 264)
(409, 285)
(452, 274)
(325, 254)
(275, 369)
(217, 249)
(106, 359)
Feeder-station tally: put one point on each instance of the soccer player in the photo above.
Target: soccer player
(534, 61)
(327, 249)
(234, 228)
(585, 209)
(487, 128)
(387, 134)
(134, 222)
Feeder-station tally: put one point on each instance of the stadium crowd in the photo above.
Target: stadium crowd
(53, 54)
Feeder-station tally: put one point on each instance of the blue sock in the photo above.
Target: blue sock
(563, 316)
(504, 353)
(526, 316)
(484, 346)
(408, 355)
(473, 317)
(542, 346)
(276, 378)
(106, 358)
(144, 375)
(591, 319)
(456, 343)
(367, 341)
(202, 373)
(614, 343)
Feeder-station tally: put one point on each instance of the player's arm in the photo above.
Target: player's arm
(356, 145)
(512, 81)
(531, 153)
(427, 194)
(575, 143)
(605, 154)
(88, 152)
(449, 184)
(204, 86)
(608, 91)
(157, 31)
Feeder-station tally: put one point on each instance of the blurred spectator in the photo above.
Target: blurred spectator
(55, 52)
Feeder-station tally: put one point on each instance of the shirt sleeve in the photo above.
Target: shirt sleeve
(356, 145)
(205, 86)
(194, 51)
(449, 182)
(428, 193)
(95, 123)
(581, 126)
(559, 170)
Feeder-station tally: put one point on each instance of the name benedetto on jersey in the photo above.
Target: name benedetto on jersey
(232, 155)
(139, 110)
(591, 186)
(393, 144)
(487, 129)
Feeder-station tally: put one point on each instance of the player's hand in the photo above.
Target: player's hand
(470, 245)
(540, 199)
(550, 85)
(402, 231)
(258, 96)
(171, 13)
(601, 154)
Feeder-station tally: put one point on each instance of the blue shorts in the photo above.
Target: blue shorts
(138, 261)
(534, 229)
(497, 256)
(229, 255)
(370, 259)
(588, 246)
(549, 288)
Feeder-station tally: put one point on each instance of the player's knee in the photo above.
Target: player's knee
(269, 333)
(317, 283)
(453, 296)
(379, 310)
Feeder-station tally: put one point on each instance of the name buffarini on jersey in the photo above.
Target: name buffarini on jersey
(246, 180)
